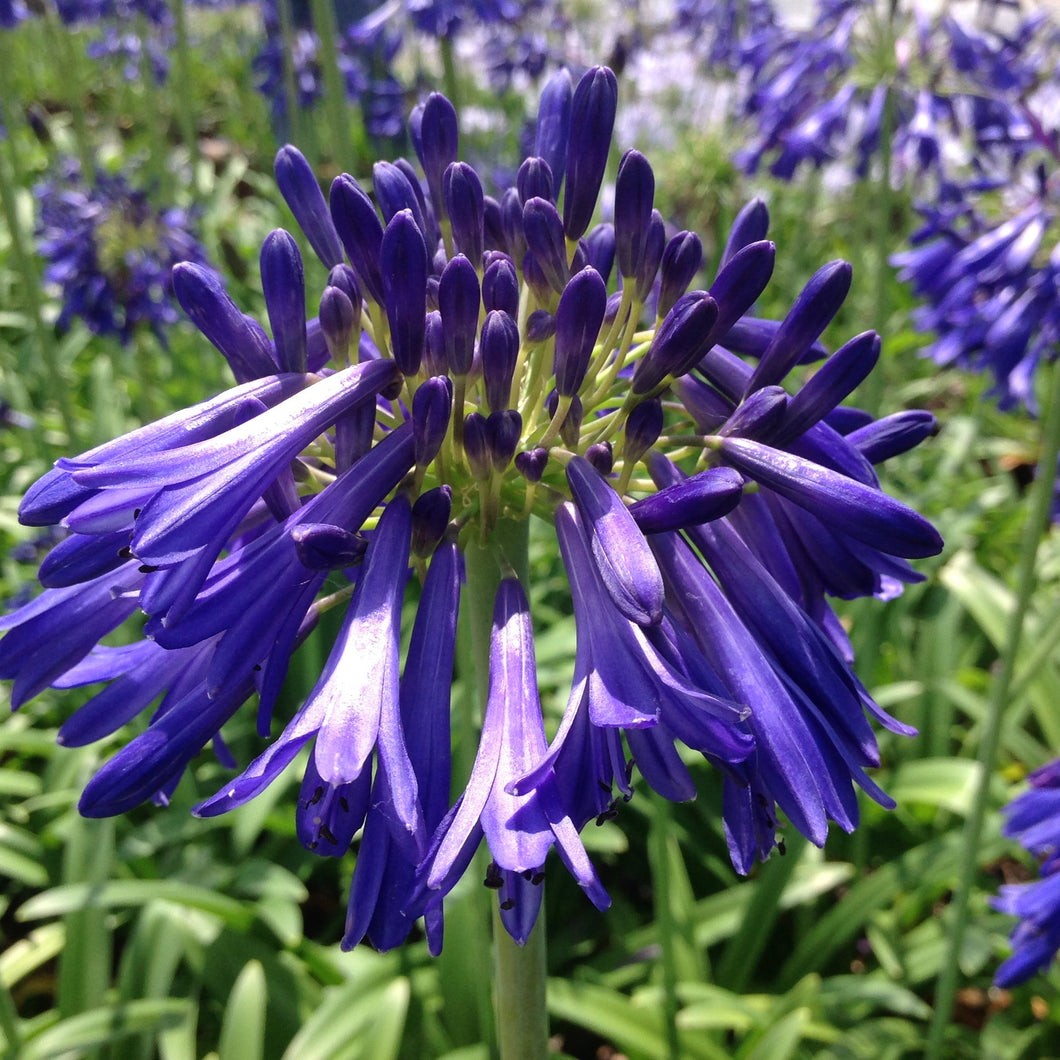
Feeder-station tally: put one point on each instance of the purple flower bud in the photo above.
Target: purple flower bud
(553, 125)
(601, 456)
(321, 546)
(848, 507)
(592, 122)
(534, 180)
(458, 303)
(887, 437)
(829, 385)
(751, 226)
(622, 556)
(708, 409)
(493, 225)
(361, 232)
(544, 239)
(403, 264)
(681, 340)
(503, 430)
(531, 464)
(345, 279)
(634, 198)
(498, 351)
(740, 282)
(430, 517)
(759, 415)
(644, 424)
(579, 317)
(244, 344)
(284, 284)
(535, 278)
(476, 445)
(699, 499)
(434, 359)
(464, 204)
(680, 262)
(654, 245)
(431, 408)
(394, 192)
(815, 306)
(614, 301)
(500, 286)
(571, 428)
(512, 224)
(599, 247)
(752, 336)
(416, 185)
(300, 190)
(540, 326)
(354, 435)
(338, 318)
(436, 137)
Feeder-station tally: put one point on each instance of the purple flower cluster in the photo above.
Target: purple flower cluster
(476, 363)
(939, 88)
(110, 251)
(991, 285)
(1034, 819)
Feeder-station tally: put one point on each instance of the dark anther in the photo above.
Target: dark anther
(538, 878)
(344, 803)
(781, 848)
(126, 552)
(317, 796)
(327, 834)
(528, 875)
(762, 800)
(257, 667)
(494, 881)
(608, 815)
(146, 568)
(136, 512)
(604, 787)
(507, 904)
(629, 771)
(313, 845)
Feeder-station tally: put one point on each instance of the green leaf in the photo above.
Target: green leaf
(29, 953)
(943, 783)
(87, 1030)
(635, 1027)
(118, 894)
(243, 1028)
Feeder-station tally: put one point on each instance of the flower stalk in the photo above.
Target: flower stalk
(1037, 518)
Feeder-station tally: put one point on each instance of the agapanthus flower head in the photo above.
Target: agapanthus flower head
(1033, 819)
(991, 284)
(704, 514)
(941, 89)
(110, 250)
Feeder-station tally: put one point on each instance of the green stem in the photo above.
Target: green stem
(186, 113)
(1037, 517)
(659, 858)
(334, 86)
(12, 177)
(520, 971)
(872, 392)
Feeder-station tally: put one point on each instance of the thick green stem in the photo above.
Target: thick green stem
(1037, 517)
(520, 971)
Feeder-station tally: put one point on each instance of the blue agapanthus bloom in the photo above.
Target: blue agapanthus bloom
(477, 363)
(826, 94)
(110, 251)
(1033, 819)
(990, 284)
